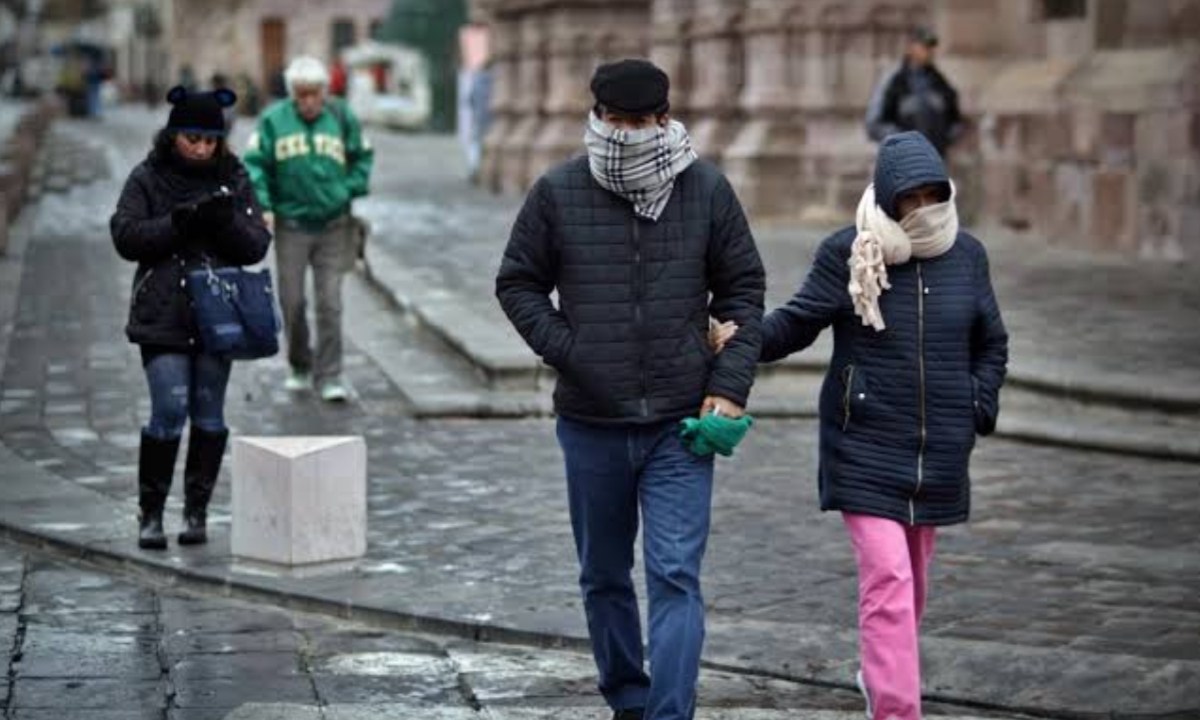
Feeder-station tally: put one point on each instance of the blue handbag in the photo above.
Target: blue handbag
(235, 311)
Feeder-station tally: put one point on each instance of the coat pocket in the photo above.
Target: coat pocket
(985, 410)
(140, 285)
(854, 396)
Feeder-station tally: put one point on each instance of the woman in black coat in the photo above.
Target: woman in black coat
(188, 203)
(919, 357)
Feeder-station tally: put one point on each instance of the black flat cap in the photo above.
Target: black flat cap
(924, 35)
(633, 86)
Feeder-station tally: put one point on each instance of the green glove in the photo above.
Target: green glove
(714, 433)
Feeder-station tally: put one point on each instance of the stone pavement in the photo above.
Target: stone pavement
(1074, 592)
(88, 644)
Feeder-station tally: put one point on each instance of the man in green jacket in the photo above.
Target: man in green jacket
(308, 159)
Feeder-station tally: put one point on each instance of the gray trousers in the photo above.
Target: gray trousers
(326, 251)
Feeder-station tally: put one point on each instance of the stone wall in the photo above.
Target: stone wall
(1085, 130)
(1101, 148)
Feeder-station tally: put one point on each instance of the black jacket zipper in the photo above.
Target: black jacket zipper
(638, 329)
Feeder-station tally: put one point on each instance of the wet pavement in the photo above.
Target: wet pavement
(89, 645)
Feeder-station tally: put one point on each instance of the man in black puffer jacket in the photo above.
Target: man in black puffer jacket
(643, 243)
(915, 95)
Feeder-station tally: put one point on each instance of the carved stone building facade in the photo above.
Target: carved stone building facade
(1085, 113)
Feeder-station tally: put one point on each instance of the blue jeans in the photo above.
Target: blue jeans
(183, 386)
(610, 472)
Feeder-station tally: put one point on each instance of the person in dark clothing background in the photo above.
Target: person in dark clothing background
(919, 355)
(190, 202)
(643, 242)
(916, 96)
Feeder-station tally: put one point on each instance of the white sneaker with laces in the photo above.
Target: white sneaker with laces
(298, 382)
(334, 391)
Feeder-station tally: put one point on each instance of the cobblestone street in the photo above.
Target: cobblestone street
(1074, 591)
(88, 645)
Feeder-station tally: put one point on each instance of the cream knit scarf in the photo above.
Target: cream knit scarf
(925, 233)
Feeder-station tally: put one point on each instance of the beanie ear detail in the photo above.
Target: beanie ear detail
(199, 112)
(225, 97)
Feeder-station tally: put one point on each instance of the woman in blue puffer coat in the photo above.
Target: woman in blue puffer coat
(919, 357)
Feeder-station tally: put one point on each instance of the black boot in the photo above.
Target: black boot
(205, 450)
(156, 465)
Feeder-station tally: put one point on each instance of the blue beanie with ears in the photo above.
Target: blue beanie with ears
(199, 112)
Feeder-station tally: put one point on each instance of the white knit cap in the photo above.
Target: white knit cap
(305, 70)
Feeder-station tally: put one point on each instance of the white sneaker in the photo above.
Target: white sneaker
(334, 391)
(298, 382)
(862, 688)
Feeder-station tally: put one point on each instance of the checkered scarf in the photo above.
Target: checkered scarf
(639, 165)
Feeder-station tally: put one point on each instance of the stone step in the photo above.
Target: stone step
(441, 380)
(436, 379)
(475, 329)
(479, 331)
(492, 373)
(1030, 416)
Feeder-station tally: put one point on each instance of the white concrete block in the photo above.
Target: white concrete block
(299, 500)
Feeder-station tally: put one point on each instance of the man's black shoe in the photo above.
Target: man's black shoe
(630, 714)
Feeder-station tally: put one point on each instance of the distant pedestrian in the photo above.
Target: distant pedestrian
(919, 355)
(189, 203)
(187, 78)
(478, 115)
(309, 159)
(338, 79)
(916, 96)
(248, 95)
(642, 242)
(219, 81)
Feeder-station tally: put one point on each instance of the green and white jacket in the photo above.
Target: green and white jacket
(309, 172)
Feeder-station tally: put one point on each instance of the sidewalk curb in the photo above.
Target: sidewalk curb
(244, 588)
(1031, 430)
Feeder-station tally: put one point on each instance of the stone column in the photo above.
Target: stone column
(846, 46)
(814, 91)
(504, 49)
(717, 74)
(527, 101)
(763, 161)
(807, 28)
(670, 49)
(581, 34)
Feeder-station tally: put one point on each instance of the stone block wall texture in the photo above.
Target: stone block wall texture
(1085, 128)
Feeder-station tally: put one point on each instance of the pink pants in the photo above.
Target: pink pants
(893, 578)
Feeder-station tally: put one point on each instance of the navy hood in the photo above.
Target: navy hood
(906, 160)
